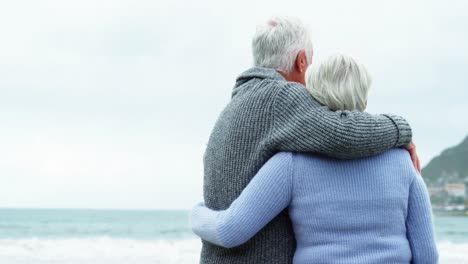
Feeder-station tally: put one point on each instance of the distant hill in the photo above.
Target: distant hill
(451, 164)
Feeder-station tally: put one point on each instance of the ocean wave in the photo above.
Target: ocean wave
(105, 250)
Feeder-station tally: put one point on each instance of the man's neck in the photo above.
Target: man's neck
(292, 77)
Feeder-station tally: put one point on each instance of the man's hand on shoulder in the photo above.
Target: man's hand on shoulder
(414, 156)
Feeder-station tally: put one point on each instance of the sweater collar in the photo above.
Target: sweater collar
(258, 73)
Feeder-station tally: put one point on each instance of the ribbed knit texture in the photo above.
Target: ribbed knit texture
(371, 210)
(265, 115)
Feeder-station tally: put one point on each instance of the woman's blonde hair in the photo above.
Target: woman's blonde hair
(340, 83)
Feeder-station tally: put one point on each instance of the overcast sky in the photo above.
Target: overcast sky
(109, 104)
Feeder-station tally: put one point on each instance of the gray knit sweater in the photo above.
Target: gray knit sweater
(266, 115)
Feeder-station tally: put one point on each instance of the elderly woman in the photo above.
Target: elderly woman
(372, 210)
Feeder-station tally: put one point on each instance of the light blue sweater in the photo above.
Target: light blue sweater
(372, 210)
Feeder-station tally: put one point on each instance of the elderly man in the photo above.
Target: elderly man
(270, 111)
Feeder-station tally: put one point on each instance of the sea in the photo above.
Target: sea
(72, 236)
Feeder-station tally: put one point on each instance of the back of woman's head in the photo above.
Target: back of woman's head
(340, 83)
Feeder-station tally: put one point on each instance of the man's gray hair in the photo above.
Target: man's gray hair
(340, 83)
(277, 43)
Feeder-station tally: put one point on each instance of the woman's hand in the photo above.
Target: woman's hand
(414, 156)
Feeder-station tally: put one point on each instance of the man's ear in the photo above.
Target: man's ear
(301, 61)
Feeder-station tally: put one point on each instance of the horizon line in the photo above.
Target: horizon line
(93, 209)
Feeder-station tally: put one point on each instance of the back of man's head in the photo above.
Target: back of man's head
(277, 43)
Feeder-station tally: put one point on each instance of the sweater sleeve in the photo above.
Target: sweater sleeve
(301, 124)
(267, 194)
(419, 225)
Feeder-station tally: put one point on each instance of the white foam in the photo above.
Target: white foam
(105, 250)
(98, 250)
(453, 252)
